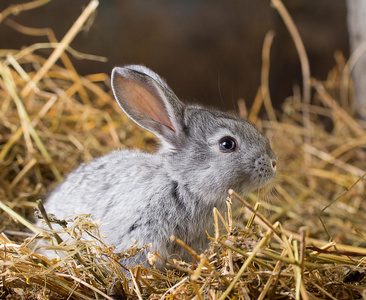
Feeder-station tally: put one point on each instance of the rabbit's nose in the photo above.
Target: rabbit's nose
(274, 164)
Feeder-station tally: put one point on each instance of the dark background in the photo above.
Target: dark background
(209, 51)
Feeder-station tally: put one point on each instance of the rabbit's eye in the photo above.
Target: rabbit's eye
(227, 144)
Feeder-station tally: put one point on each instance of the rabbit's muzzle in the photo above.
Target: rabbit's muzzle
(265, 168)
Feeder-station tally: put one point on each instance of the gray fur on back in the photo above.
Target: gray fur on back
(150, 197)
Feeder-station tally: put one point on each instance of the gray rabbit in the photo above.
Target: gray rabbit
(150, 197)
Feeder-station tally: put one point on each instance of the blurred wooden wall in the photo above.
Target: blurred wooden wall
(209, 51)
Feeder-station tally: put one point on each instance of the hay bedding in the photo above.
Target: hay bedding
(310, 244)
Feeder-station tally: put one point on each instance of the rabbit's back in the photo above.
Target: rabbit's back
(93, 184)
(110, 188)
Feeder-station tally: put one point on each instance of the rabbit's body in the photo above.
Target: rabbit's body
(135, 191)
(149, 197)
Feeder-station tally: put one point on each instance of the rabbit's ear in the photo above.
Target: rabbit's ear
(148, 100)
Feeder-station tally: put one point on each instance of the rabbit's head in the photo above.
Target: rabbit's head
(206, 150)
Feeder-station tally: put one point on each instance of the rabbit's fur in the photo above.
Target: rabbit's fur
(150, 197)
